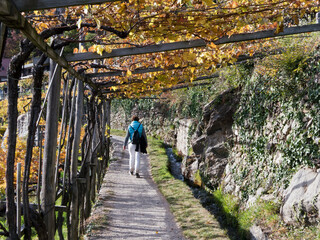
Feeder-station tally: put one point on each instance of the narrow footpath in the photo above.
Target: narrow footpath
(130, 207)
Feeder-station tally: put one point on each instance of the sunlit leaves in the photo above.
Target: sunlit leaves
(149, 22)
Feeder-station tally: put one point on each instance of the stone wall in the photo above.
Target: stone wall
(22, 128)
(209, 145)
(183, 136)
(118, 119)
(262, 144)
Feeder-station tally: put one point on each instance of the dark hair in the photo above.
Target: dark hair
(135, 118)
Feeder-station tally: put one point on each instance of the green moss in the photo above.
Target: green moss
(198, 179)
(268, 104)
(177, 154)
(262, 213)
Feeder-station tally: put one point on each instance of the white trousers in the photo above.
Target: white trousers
(134, 161)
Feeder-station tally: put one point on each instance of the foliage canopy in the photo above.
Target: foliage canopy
(141, 23)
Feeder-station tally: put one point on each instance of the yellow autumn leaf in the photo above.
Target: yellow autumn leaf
(192, 56)
(110, 18)
(303, 12)
(108, 49)
(129, 73)
(100, 49)
(295, 19)
(208, 2)
(114, 88)
(234, 4)
(98, 23)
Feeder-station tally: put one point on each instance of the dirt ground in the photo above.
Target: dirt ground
(130, 207)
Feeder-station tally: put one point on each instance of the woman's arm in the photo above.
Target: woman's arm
(126, 140)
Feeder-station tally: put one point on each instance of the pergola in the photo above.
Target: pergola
(10, 16)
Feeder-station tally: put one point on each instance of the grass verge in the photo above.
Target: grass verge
(118, 132)
(195, 221)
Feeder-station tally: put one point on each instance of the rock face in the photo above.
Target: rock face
(23, 122)
(22, 128)
(189, 167)
(183, 137)
(301, 199)
(210, 141)
(257, 233)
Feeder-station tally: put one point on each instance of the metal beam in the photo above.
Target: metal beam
(240, 59)
(30, 5)
(191, 44)
(268, 34)
(121, 52)
(10, 16)
(186, 86)
(108, 85)
(121, 73)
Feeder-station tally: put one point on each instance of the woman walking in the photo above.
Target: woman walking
(137, 139)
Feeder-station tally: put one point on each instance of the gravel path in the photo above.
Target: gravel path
(130, 207)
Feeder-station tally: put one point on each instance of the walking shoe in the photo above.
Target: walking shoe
(131, 173)
(137, 175)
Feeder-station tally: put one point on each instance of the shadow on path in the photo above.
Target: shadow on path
(130, 207)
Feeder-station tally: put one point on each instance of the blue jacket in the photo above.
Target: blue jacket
(134, 126)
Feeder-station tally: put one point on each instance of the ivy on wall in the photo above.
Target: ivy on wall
(277, 126)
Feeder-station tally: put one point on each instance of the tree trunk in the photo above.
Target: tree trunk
(12, 129)
(88, 155)
(74, 164)
(36, 221)
(48, 168)
(14, 73)
(35, 110)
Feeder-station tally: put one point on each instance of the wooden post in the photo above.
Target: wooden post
(102, 130)
(69, 141)
(48, 168)
(94, 162)
(19, 199)
(39, 166)
(108, 127)
(93, 159)
(66, 172)
(103, 126)
(106, 137)
(91, 124)
(63, 121)
(74, 163)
